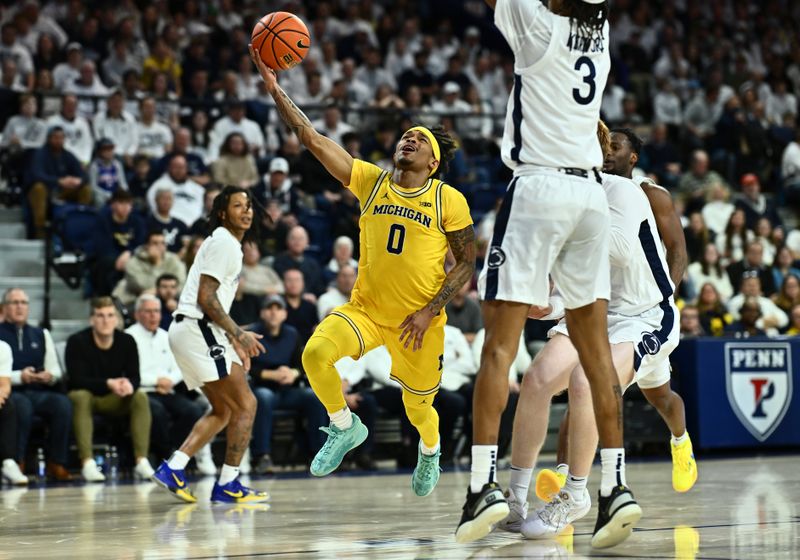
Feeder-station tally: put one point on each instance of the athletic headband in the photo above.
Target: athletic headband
(594, 1)
(434, 145)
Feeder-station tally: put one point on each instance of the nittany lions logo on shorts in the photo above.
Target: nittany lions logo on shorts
(496, 257)
(650, 344)
(216, 351)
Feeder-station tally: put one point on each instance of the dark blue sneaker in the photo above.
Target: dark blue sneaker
(236, 493)
(174, 481)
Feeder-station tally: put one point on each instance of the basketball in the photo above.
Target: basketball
(282, 39)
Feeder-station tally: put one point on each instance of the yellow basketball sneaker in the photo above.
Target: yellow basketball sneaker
(684, 467)
(549, 483)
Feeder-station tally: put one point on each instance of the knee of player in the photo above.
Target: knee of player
(537, 381)
(318, 353)
(579, 387)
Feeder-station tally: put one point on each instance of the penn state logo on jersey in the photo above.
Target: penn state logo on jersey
(216, 351)
(650, 344)
(758, 380)
(496, 258)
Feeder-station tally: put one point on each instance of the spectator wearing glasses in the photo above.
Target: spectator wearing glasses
(36, 377)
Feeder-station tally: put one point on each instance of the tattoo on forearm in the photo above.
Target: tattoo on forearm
(462, 243)
(209, 302)
(291, 114)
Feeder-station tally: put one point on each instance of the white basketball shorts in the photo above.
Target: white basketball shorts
(554, 224)
(654, 334)
(201, 350)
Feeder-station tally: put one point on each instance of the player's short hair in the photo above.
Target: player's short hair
(633, 138)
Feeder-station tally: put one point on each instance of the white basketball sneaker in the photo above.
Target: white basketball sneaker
(90, 472)
(553, 517)
(517, 514)
(13, 474)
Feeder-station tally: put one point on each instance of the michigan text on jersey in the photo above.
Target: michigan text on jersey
(403, 212)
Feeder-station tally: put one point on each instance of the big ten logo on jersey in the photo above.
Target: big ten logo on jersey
(585, 43)
(758, 378)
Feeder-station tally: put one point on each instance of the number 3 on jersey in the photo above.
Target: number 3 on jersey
(587, 79)
(397, 236)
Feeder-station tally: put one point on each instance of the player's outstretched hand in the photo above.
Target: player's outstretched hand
(414, 327)
(267, 74)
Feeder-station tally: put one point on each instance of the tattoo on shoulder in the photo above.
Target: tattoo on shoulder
(462, 242)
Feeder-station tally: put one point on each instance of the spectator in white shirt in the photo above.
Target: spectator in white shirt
(69, 71)
(780, 104)
(790, 164)
(79, 138)
(772, 319)
(9, 77)
(11, 48)
(173, 413)
(611, 105)
(372, 73)
(88, 88)
(342, 256)
(331, 125)
(451, 102)
(235, 121)
(338, 294)
(154, 138)
(26, 130)
(667, 105)
(718, 208)
(119, 126)
(189, 195)
(709, 270)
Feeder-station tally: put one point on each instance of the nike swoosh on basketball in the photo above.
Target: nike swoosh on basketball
(178, 481)
(301, 45)
(237, 494)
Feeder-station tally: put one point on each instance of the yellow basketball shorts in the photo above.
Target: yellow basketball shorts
(355, 333)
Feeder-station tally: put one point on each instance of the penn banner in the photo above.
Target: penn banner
(740, 393)
(758, 381)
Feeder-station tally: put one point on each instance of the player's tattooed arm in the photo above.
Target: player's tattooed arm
(462, 243)
(336, 159)
(209, 302)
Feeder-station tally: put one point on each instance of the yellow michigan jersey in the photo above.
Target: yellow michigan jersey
(403, 242)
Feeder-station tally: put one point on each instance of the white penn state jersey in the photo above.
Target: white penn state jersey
(220, 256)
(559, 79)
(640, 277)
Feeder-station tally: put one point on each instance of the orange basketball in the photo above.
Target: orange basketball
(282, 39)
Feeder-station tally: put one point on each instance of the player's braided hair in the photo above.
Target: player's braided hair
(447, 147)
(221, 205)
(588, 19)
(633, 138)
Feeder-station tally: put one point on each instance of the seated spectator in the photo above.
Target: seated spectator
(24, 131)
(162, 59)
(36, 379)
(338, 294)
(200, 227)
(714, 316)
(106, 173)
(342, 256)
(167, 292)
(753, 262)
(783, 266)
(176, 233)
(789, 294)
(189, 196)
(794, 322)
(717, 210)
(754, 204)
(86, 87)
(182, 145)
(276, 378)
(294, 257)
(56, 172)
(764, 235)
(173, 414)
(235, 121)
(278, 186)
(256, 281)
(749, 316)
(103, 368)
(235, 165)
(790, 168)
(697, 236)
(662, 157)
(118, 126)
(690, 322)
(148, 263)
(117, 236)
(694, 184)
(332, 125)
(302, 313)
(771, 317)
(154, 137)
(139, 177)
(10, 470)
(731, 244)
(79, 136)
(464, 313)
(709, 270)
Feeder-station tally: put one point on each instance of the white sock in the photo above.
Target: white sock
(681, 439)
(562, 468)
(613, 469)
(520, 483)
(342, 419)
(575, 486)
(178, 461)
(228, 474)
(429, 450)
(484, 466)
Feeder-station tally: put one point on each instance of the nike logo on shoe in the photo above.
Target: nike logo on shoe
(237, 494)
(178, 481)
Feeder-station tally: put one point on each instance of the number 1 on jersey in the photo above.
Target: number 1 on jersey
(397, 236)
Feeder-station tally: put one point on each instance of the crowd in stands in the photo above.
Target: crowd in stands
(139, 112)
